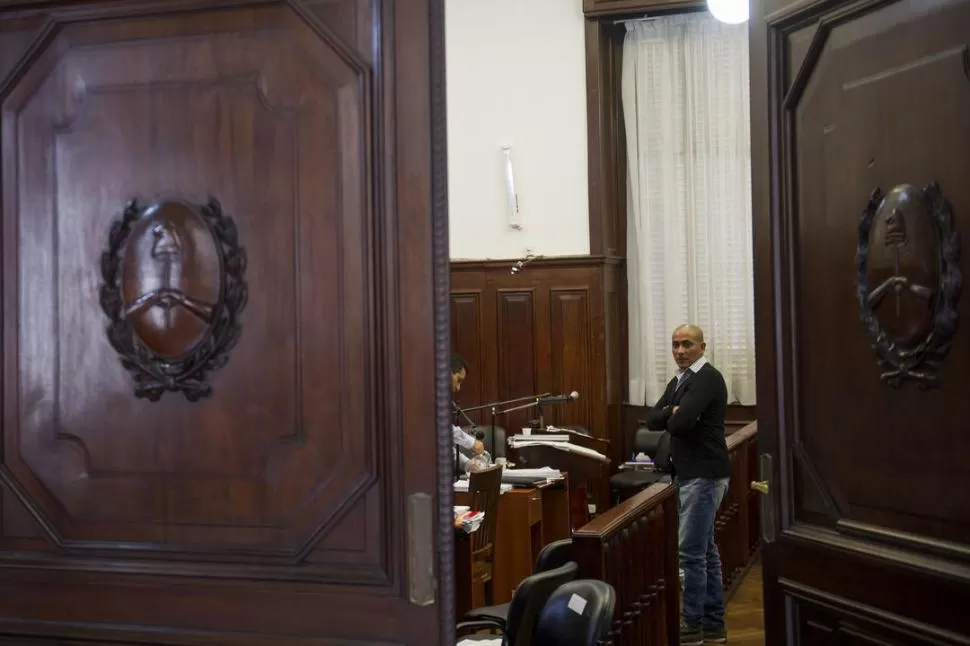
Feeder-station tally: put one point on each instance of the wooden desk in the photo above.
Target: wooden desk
(588, 474)
(555, 512)
(528, 519)
(466, 597)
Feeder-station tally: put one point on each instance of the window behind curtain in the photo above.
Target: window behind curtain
(685, 106)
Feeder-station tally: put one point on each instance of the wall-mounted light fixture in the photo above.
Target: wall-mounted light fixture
(515, 218)
(519, 265)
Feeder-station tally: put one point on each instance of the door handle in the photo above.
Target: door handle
(766, 502)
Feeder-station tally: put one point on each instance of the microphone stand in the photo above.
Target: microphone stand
(531, 400)
(492, 411)
(537, 403)
(505, 403)
(534, 401)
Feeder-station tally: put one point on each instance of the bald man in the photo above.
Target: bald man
(692, 410)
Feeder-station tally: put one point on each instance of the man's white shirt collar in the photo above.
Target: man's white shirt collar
(694, 367)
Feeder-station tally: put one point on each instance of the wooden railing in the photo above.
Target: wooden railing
(633, 546)
(737, 529)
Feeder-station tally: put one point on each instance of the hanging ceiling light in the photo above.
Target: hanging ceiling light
(732, 12)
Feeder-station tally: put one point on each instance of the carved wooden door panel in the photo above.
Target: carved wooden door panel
(219, 239)
(861, 113)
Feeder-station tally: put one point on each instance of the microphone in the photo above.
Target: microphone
(573, 396)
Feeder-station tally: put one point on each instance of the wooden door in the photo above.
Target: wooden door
(223, 270)
(861, 114)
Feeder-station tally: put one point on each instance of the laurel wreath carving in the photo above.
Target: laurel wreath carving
(153, 376)
(919, 363)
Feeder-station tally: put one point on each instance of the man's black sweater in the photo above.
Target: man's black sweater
(697, 445)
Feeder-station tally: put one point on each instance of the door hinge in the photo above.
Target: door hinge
(421, 580)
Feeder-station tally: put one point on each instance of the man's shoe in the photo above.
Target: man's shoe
(690, 636)
(715, 636)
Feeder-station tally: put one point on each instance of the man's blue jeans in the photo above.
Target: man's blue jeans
(703, 588)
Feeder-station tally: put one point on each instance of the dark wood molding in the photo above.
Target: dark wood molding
(606, 141)
(555, 261)
(618, 9)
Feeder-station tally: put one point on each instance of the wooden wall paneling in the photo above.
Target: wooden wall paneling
(615, 328)
(570, 364)
(468, 327)
(544, 330)
(517, 349)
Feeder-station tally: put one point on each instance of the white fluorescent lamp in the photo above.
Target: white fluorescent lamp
(515, 219)
(732, 12)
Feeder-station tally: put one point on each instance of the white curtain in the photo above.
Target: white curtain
(685, 107)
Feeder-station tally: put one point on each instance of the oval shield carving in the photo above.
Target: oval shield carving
(909, 281)
(173, 289)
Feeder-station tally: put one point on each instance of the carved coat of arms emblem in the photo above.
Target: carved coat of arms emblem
(173, 289)
(909, 281)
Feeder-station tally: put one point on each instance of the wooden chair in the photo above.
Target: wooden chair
(484, 489)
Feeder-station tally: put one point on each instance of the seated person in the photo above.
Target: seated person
(459, 369)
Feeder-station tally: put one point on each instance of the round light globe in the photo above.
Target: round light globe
(733, 12)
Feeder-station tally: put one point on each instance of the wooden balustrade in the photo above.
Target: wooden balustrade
(737, 527)
(633, 546)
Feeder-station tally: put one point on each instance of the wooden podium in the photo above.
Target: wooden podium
(586, 473)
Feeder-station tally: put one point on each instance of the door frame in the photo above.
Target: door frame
(445, 579)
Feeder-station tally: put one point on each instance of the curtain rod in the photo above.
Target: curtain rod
(631, 20)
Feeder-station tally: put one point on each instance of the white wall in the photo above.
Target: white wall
(516, 76)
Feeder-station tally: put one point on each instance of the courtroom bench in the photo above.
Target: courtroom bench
(633, 546)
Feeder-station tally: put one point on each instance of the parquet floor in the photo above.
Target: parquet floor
(745, 612)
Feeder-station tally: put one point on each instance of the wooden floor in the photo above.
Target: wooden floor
(745, 612)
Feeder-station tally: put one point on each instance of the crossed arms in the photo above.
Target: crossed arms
(680, 419)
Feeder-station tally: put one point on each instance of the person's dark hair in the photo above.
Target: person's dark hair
(458, 364)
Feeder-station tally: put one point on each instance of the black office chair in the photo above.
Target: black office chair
(656, 444)
(578, 613)
(529, 599)
(554, 555)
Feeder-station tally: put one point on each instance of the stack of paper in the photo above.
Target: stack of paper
(462, 485)
(563, 446)
(470, 520)
(542, 439)
(545, 473)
